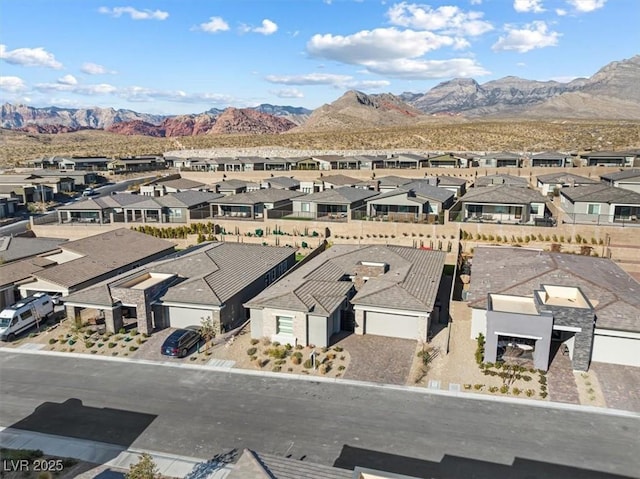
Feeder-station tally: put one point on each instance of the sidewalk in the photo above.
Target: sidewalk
(111, 456)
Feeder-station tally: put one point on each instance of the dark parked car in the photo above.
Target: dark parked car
(180, 342)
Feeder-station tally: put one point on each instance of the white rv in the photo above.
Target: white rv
(24, 314)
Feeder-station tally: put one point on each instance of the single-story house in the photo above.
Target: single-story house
(27, 193)
(547, 184)
(170, 184)
(458, 186)
(370, 162)
(600, 203)
(333, 204)
(280, 164)
(625, 179)
(254, 204)
(505, 204)
(608, 158)
(414, 202)
(391, 182)
(336, 181)
(550, 158)
(45, 163)
(79, 178)
(530, 302)
(211, 281)
(234, 187)
(84, 163)
(135, 164)
(84, 262)
(449, 160)
(336, 162)
(406, 160)
(281, 183)
(504, 159)
(500, 179)
(381, 290)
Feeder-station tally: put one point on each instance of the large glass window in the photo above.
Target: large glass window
(593, 209)
(284, 325)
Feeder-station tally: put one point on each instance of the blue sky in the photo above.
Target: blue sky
(186, 56)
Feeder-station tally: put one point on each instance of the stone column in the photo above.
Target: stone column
(113, 319)
(582, 347)
(73, 314)
(360, 322)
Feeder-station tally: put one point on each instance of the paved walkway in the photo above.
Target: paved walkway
(113, 460)
(379, 359)
(620, 385)
(561, 381)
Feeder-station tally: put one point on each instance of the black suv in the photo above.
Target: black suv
(180, 342)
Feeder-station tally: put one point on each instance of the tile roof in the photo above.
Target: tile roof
(503, 195)
(18, 270)
(339, 180)
(266, 195)
(621, 175)
(492, 180)
(601, 193)
(343, 195)
(103, 254)
(446, 180)
(219, 271)
(424, 189)
(232, 184)
(186, 199)
(563, 178)
(15, 248)
(179, 183)
(386, 181)
(520, 271)
(254, 465)
(319, 286)
(549, 155)
(282, 181)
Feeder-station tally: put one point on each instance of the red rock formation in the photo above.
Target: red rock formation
(234, 120)
(137, 127)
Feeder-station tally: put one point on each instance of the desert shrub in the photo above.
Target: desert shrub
(338, 349)
(480, 349)
(504, 389)
(279, 362)
(133, 332)
(254, 342)
(516, 391)
(296, 360)
(308, 364)
(529, 392)
(263, 362)
(543, 394)
(324, 368)
(493, 389)
(53, 341)
(135, 348)
(277, 352)
(88, 344)
(252, 351)
(111, 345)
(266, 341)
(331, 356)
(341, 368)
(467, 386)
(299, 346)
(478, 387)
(277, 369)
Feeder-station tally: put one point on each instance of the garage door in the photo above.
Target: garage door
(392, 325)
(183, 317)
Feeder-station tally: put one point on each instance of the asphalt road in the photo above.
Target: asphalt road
(204, 413)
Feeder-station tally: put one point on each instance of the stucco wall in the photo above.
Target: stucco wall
(616, 349)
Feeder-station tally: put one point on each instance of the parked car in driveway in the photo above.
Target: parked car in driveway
(179, 343)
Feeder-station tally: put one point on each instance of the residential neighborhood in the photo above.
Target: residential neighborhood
(514, 279)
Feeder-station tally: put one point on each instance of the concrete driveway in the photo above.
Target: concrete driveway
(378, 358)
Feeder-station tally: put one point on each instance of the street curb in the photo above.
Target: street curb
(350, 382)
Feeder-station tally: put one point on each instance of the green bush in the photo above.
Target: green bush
(296, 360)
(53, 341)
(133, 348)
(254, 342)
(122, 331)
(504, 389)
(277, 352)
(307, 364)
(543, 394)
(134, 332)
(516, 391)
(252, 351)
(467, 386)
(529, 392)
(480, 349)
(478, 387)
(341, 368)
(277, 369)
(111, 345)
(88, 344)
(493, 389)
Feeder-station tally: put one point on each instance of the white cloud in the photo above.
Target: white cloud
(411, 69)
(95, 69)
(586, 5)
(87, 90)
(214, 25)
(376, 45)
(134, 13)
(337, 81)
(521, 64)
(445, 19)
(30, 57)
(287, 93)
(561, 12)
(475, 2)
(12, 84)
(68, 80)
(268, 27)
(534, 6)
(532, 36)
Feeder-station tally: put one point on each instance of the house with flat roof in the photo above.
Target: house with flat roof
(92, 163)
(504, 204)
(370, 162)
(79, 178)
(609, 158)
(336, 181)
(625, 179)
(331, 205)
(8, 206)
(254, 204)
(171, 184)
(135, 164)
(533, 302)
(503, 159)
(406, 160)
(233, 187)
(391, 182)
(548, 184)
(212, 281)
(600, 204)
(84, 262)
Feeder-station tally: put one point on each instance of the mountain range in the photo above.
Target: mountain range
(611, 93)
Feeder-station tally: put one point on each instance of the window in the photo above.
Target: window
(593, 209)
(284, 325)
(24, 316)
(305, 207)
